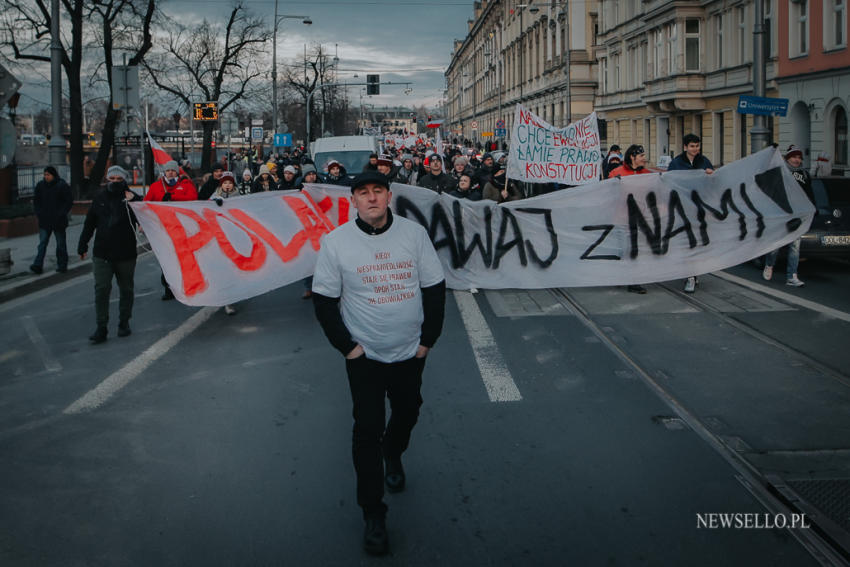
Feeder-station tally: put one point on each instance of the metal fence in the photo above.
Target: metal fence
(29, 176)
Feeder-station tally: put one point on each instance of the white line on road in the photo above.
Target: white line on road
(116, 381)
(786, 297)
(497, 378)
(50, 363)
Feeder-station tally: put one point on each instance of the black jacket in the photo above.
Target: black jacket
(207, 189)
(471, 194)
(52, 203)
(113, 224)
(440, 183)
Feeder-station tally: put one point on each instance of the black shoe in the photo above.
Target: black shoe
(375, 540)
(167, 295)
(394, 476)
(36, 269)
(637, 289)
(99, 335)
(124, 329)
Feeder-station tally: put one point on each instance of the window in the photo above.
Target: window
(671, 49)
(718, 42)
(659, 50)
(742, 34)
(718, 134)
(617, 72)
(603, 70)
(769, 43)
(834, 24)
(692, 44)
(840, 137)
(798, 22)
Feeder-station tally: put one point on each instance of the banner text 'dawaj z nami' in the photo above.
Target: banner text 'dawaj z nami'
(631, 230)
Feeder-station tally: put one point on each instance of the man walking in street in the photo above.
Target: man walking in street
(384, 330)
(691, 158)
(52, 202)
(634, 163)
(794, 161)
(113, 225)
(436, 180)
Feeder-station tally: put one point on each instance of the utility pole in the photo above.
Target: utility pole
(758, 133)
(57, 140)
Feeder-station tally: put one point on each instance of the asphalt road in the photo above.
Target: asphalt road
(221, 440)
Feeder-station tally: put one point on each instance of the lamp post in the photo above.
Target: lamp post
(277, 17)
(758, 133)
(57, 141)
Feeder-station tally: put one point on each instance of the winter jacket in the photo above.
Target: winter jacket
(681, 161)
(113, 224)
(52, 202)
(472, 194)
(208, 188)
(494, 193)
(407, 176)
(183, 190)
(342, 179)
(803, 178)
(442, 183)
(285, 185)
(259, 187)
(245, 187)
(624, 170)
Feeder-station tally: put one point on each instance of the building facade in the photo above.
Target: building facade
(386, 119)
(667, 68)
(814, 75)
(519, 52)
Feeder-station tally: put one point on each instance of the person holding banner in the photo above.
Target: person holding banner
(691, 158)
(171, 187)
(501, 189)
(384, 331)
(113, 225)
(634, 163)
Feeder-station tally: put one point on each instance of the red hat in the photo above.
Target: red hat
(227, 175)
(385, 161)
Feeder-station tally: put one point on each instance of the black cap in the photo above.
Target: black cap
(52, 171)
(370, 176)
(216, 166)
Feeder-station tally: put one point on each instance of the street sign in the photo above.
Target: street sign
(474, 125)
(282, 140)
(485, 134)
(763, 106)
(125, 87)
(501, 132)
(205, 111)
(257, 122)
(500, 124)
(256, 134)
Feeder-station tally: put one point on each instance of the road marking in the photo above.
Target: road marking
(116, 381)
(494, 372)
(786, 297)
(50, 363)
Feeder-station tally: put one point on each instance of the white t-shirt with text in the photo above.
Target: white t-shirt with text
(378, 280)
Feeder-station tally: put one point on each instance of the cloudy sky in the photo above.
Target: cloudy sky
(403, 40)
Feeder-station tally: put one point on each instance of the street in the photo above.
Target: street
(585, 426)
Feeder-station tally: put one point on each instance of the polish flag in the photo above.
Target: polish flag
(434, 124)
(160, 156)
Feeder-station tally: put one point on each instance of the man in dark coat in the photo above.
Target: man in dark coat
(113, 224)
(52, 202)
(211, 184)
(436, 180)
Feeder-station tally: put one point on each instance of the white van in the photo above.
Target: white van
(351, 151)
(33, 140)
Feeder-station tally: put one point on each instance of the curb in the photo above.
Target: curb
(29, 286)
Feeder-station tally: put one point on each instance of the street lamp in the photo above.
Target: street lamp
(277, 17)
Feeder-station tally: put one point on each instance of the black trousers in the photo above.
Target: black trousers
(373, 437)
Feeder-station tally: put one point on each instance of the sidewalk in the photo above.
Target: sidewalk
(21, 281)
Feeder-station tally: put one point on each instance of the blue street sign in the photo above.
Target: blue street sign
(501, 132)
(500, 125)
(256, 134)
(282, 140)
(762, 105)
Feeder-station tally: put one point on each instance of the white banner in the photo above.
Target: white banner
(633, 230)
(541, 153)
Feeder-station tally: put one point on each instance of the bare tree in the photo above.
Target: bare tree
(217, 62)
(26, 32)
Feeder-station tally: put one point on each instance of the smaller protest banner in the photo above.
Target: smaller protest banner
(541, 153)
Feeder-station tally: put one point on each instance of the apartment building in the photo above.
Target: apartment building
(667, 68)
(519, 52)
(814, 75)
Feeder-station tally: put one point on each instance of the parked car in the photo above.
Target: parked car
(351, 151)
(829, 234)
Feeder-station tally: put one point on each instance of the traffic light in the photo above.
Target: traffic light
(373, 84)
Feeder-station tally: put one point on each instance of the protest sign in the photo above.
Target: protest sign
(631, 230)
(541, 153)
